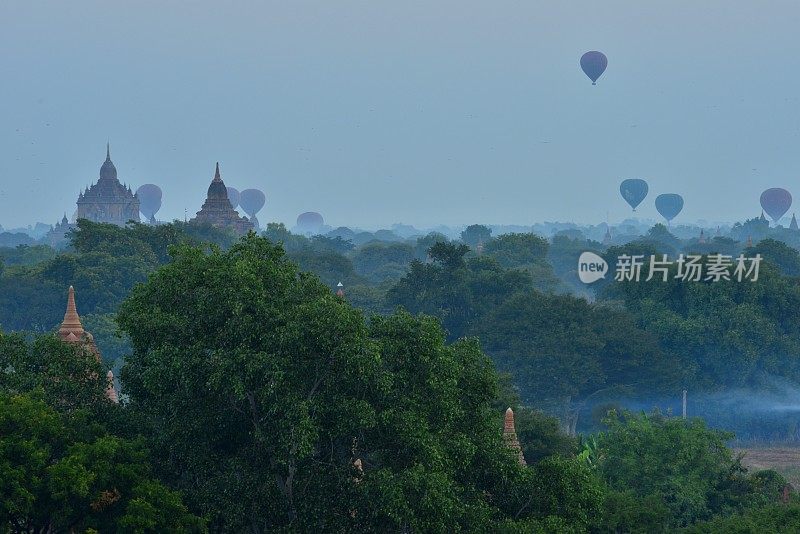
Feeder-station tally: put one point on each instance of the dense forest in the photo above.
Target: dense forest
(255, 399)
(571, 350)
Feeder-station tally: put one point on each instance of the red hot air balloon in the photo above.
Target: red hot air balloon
(776, 202)
(594, 64)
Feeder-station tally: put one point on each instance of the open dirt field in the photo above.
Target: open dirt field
(784, 461)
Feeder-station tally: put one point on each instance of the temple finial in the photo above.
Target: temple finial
(108, 151)
(72, 322)
(216, 173)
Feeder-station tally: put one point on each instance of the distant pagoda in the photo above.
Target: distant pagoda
(108, 201)
(217, 210)
(607, 239)
(57, 236)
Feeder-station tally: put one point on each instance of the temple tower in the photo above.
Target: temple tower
(217, 210)
(108, 201)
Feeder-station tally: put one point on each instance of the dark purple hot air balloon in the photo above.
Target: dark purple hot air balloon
(149, 196)
(669, 205)
(776, 202)
(633, 191)
(310, 222)
(251, 201)
(594, 63)
(233, 196)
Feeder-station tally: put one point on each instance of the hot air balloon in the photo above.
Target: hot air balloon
(776, 202)
(251, 201)
(149, 196)
(310, 222)
(594, 64)
(669, 205)
(233, 196)
(633, 191)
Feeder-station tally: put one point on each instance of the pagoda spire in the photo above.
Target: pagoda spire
(217, 177)
(510, 435)
(108, 151)
(71, 325)
(793, 224)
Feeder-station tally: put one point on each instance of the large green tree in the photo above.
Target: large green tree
(517, 250)
(274, 405)
(677, 466)
(476, 233)
(67, 461)
(56, 476)
(565, 352)
(724, 334)
(456, 289)
(380, 261)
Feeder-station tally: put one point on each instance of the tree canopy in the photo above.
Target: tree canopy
(66, 462)
(255, 379)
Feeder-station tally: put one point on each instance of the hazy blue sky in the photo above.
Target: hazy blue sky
(424, 112)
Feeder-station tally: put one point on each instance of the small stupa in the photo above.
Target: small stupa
(510, 435)
(111, 393)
